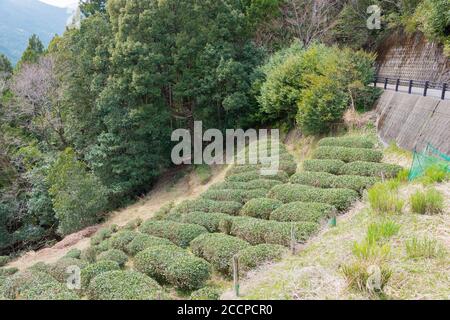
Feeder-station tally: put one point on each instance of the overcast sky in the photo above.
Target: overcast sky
(62, 3)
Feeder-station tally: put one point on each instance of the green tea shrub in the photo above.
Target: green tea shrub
(173, 265)
(121, 239)
(348, 142)
(74, 254)
(255, 256)
(234, 195)
(206, 293)
(144, 241)
(89, 254)
(303, 211)
(250, 185)
(115, 255)
(179, 233)
(125, 285)
(255, 175)
(328, 180)
(326, 165)
(218, 249)
(93, 270)
(342, 199)
(260, 208)
(50, 291)
(348, 154)
(14, 286)
(3, 260)
(209, 220)
(205, 205)
(59, 269)
(6, 272)
(133, 224)
(371, 169)
(102, 234)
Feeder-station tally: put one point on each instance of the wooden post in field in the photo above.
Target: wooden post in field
(293, 240)
(236, 274)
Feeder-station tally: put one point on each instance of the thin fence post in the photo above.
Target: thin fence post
(293, 240)
(236, 274)
(410, 86)
(425, 90)
(385, 83)
(397, 84)
(444, 88)
(375, 82)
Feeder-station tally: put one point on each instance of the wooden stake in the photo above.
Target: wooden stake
(236, 274)
(293, 240)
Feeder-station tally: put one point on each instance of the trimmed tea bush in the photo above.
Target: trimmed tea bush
(103, 234)
(93, 270)
(144, 241)
(234, 195)
(260, 208)
(342, 199)
(253, 257)
(133, 224)
(173, 265)
(89, 254)
(6, 272)
(125, 285)
(206, 293)
(257, 231)
(121, 239)
(59, 269)
(179, 233)
(249, 176)
(49, 292)
(430, 202)
(328, 180)
(205, 205)
(239, 169)
(348, 141)
(218, 249)
(3, 260)
(327, 165)
(250, 185)
(115, 255)
(74, 254)
(348, 154)
(371, 169)
(14, 286)
(209, 220)
(302, 211)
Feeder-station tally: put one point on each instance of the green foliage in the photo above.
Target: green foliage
(384, 198)
(78, 197)
(209, 220)
(371, 169)
(435, 173)
(228, 207)
(8, 271)
(380, 232)
(95, 269)
(90, 7)
(327, 165)
(342, 199)
(430, 202)
(204, 173)
(3, 260)
(250, 185)
(121, 239)
(255, 175)
(34, 50)
(89, 254)
(179, 233)
(206, 293)
(5, 65)
(115, 255)
(125, 285)
(59, 269)
(371, 251)
(433, 19)
(15, 286)
(73, 254)
(327, 180)
(144, 241)
(218, 249)
(173, 265)
(260, 208)
(253, 257)
(303, 211)
(234, 195)
(348, 142)
(358, 274)
(423, 248)
(133, 224)
(348, 154)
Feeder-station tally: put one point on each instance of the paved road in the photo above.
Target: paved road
(417, 91)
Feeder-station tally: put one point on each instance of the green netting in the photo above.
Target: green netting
(429, 157)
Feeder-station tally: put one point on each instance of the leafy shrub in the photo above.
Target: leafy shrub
(144, 241)
(48, 291)
(384, 198)
(255, 175)
(430, 202)
(121, 239)
(179, 233)
(163, 211)
(257, 231)
(8, 271)
(218, 249)
(327, 165)
(260, 208)
(328, 180)
(371, 169)
(133, 224)
(348, 142)
(302, 211)
(74, 254)
(348, 154)
(206, 293)
(59, 269)
(253, 257)
(342, 199)
(358, 273)
(93, 270)
(381, 231)
(250, 185)
(234, 195)
(102, 234)
(89, 254)
(205, 205)
(103, 246)
(239, 169)
(125, 285)
(78, 196)
(423, 248)
(209, 220)
(15, 285)
(173, 265)
(3, 260)
(115, 255)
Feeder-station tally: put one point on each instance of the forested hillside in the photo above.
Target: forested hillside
(85, 124)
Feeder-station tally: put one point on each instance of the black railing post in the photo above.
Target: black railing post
(385, 83)
(397, 84)
(375, 82)
(410, 86)
(425, 89)
(444, 88)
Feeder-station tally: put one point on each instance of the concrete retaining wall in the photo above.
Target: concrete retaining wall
(412, 121)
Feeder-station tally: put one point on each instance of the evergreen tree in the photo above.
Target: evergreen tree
(90, 7)
(32, 53)
(5, 65)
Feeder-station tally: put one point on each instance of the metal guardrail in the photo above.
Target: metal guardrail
(425, 85)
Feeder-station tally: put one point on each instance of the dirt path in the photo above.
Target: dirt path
(165, 191)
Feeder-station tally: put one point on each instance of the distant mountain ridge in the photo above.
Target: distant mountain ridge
(19, 19)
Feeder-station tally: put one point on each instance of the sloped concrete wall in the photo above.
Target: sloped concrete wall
(412, 121)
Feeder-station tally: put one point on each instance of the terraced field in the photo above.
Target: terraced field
(186, 250)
